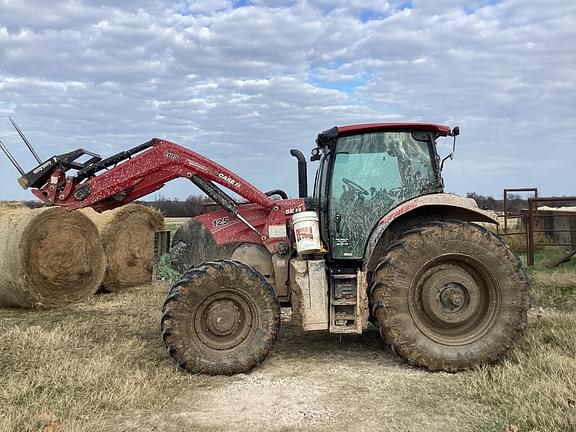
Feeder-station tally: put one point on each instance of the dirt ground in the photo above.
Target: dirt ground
(310, 381)
(101, 366)
(316, 381)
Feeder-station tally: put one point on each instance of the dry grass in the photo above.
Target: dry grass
(101, 366)
(173, 223)
(554, 290)
(83, 363)
(176, 220)
(516, 241)
(535, 387)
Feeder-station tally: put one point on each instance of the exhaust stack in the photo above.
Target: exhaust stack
(302, 173)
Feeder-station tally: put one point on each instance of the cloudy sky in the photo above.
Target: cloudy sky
(242, 82)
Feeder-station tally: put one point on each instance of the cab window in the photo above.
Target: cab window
(372, 174)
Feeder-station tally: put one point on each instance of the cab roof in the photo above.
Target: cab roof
(440, 130)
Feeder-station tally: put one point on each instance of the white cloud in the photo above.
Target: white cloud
(244, 84)
(191, 7)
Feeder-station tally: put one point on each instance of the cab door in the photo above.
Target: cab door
(371, 174)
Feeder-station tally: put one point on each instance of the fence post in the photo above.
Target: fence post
(530, 254)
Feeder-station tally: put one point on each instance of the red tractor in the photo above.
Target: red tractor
(378, 242)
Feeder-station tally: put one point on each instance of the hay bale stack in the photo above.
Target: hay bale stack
(127, 234)
(49, 257)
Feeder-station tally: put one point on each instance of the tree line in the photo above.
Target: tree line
(195, 205)
(170, 207)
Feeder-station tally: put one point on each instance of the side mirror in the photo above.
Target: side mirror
(453, 133)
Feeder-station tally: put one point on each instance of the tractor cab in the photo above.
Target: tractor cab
(367, 170)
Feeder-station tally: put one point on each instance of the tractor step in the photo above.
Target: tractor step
(344, 300)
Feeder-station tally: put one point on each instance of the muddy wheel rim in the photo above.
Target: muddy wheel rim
(225, 319)
(454, 299)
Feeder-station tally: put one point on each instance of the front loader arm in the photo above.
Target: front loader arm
(132, 175)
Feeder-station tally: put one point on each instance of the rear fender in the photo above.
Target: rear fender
(426, 208)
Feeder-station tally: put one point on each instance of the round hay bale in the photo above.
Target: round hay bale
(49, 257)
(127, 234)
(7, 205)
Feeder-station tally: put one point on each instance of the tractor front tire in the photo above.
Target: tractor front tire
(221, 318)
(450, 296)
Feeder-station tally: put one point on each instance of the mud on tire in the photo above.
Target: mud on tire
(222, 317)
(450, 296)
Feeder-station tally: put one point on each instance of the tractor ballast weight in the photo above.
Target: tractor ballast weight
(397, 251)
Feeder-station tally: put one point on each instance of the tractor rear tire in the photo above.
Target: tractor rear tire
(221, 318)
(450, 296)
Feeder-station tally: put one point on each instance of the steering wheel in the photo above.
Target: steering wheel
(355, 186)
